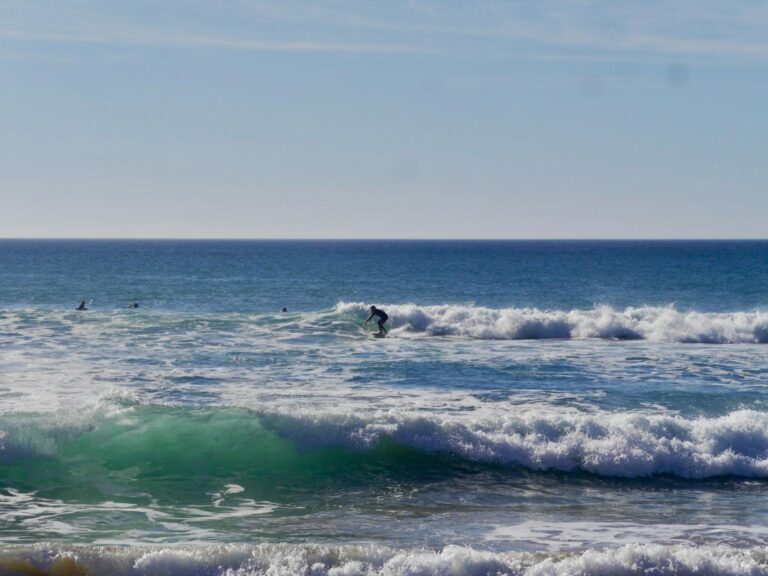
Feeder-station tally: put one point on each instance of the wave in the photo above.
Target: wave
(373, 560)
(154, 441)
(657, 323)
(653, 323)
(606, 444)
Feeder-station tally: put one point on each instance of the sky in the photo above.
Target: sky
(390, 119)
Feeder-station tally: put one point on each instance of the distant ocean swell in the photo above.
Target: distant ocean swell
(349, 560)
(657, 323)
(156, 440)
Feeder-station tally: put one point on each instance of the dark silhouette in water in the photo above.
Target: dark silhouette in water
(382, 317)
(133, 306)
(82, 306)
(284, 310)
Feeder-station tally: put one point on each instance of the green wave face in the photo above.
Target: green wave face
(144, 474)
(154, 474)
(183, 455)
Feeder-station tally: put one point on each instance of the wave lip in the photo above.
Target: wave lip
(656, 323)
(373, 560)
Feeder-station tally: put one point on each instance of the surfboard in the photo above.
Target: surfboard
(377, 335)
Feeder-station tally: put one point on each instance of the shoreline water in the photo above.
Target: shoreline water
(371, 560)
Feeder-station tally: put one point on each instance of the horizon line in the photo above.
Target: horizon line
(388, 239)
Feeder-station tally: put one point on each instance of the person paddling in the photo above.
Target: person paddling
(381, 318)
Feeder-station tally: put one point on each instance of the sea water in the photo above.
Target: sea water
(536, 408)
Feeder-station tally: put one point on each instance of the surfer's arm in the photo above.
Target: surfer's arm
(368, 319)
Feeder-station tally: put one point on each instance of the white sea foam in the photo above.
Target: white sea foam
(319, 560)
(604, 443)
(657, 323)
(571, 536)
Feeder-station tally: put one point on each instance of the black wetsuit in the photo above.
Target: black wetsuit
(382, 317)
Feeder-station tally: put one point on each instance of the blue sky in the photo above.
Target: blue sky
(413, 119)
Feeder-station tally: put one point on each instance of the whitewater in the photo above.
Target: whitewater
(536, 408)
(661, 324)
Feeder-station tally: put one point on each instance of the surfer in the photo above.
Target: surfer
(133, 306)
(82, 306)
(381, 318)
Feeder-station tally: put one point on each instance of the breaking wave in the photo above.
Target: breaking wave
(151, 439)
(659, 323)
(373, 560)
(606, 444)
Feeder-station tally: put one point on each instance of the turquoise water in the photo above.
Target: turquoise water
(538, 407)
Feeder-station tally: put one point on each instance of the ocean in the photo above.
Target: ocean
(538, 408)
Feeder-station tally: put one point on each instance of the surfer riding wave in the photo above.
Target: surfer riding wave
(381, 316)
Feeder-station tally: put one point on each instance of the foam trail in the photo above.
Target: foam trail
(320, 560)
(657, 323)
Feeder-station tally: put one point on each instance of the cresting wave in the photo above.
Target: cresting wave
(251, 444)
(653, 323)
(663, 324)
(607, 444)
(320, 560)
